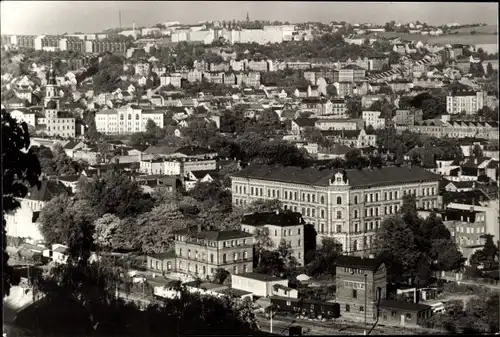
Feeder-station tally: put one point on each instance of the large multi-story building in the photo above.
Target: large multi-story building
(373, 118)
(46, 42)
(467, 228)
(282, 226)
(465, 101)
(408, 117)
(100, 46)
(128, 119)
(351, 73)
(347, 205)
(201, 252)
(72, 43)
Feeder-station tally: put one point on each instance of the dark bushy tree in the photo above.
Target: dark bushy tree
(20, 169)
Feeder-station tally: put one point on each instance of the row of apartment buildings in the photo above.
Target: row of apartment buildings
(445, 127)
(66, 42)
(269, 34)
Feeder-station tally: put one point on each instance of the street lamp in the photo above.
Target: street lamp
(366, 300)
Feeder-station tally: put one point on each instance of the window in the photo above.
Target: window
(245, 255)
(129, 117)
(189, 252)
(393, 313)
(355, 214)
(347, 308)
(322, 199)
(298, 243)
(361, 308)
(354, 293)
(339, 200)
(408, 316)
(385, 195)
(308, 211)
(313, 213)
(235, 256)
(308, 198)
(224, 258)
(339, 228)
(245, 268)
(286, 194)
(322, 214)
(313, 198)
(339, 214)
(355, 245)
(376, 196)
(298, 231)
(355, 199)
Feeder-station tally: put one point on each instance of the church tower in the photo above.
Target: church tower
(248, 17)
(51, 101)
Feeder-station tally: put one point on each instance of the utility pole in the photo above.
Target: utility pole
(366, 300)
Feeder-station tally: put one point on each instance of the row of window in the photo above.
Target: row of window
(469, 230)
(203, 270)
(203, 256)
(284, 232)
(225, 244)
(308, 197)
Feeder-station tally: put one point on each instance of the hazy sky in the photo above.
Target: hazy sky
(52, 17)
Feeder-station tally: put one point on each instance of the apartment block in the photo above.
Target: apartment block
(347, 205)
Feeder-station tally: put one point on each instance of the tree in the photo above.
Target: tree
(354, 106)
(477, 152)
(486, 257)
(150, 126)
(323, 260)
(263, 242)
(157, 227)
(331, 91)
(265, 205)
(114, 193)
(220, 275)
(396, 246)
(105, 229)
(20, 167)
(489, 70)
(62, 219)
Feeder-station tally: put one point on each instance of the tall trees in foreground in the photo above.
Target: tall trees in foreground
(412, 247)
(20, 169)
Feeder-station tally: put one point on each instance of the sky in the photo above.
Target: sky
(58, 17)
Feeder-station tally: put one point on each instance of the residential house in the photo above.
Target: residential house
(201, 252)
(286, 227)
(161, 262)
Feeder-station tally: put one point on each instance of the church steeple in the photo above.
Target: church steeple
(51, 78)
(248, 17)
(51, 95)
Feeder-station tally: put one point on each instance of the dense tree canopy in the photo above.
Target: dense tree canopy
(412, 247)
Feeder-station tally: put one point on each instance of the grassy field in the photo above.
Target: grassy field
(490, 29)
(461, 38)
